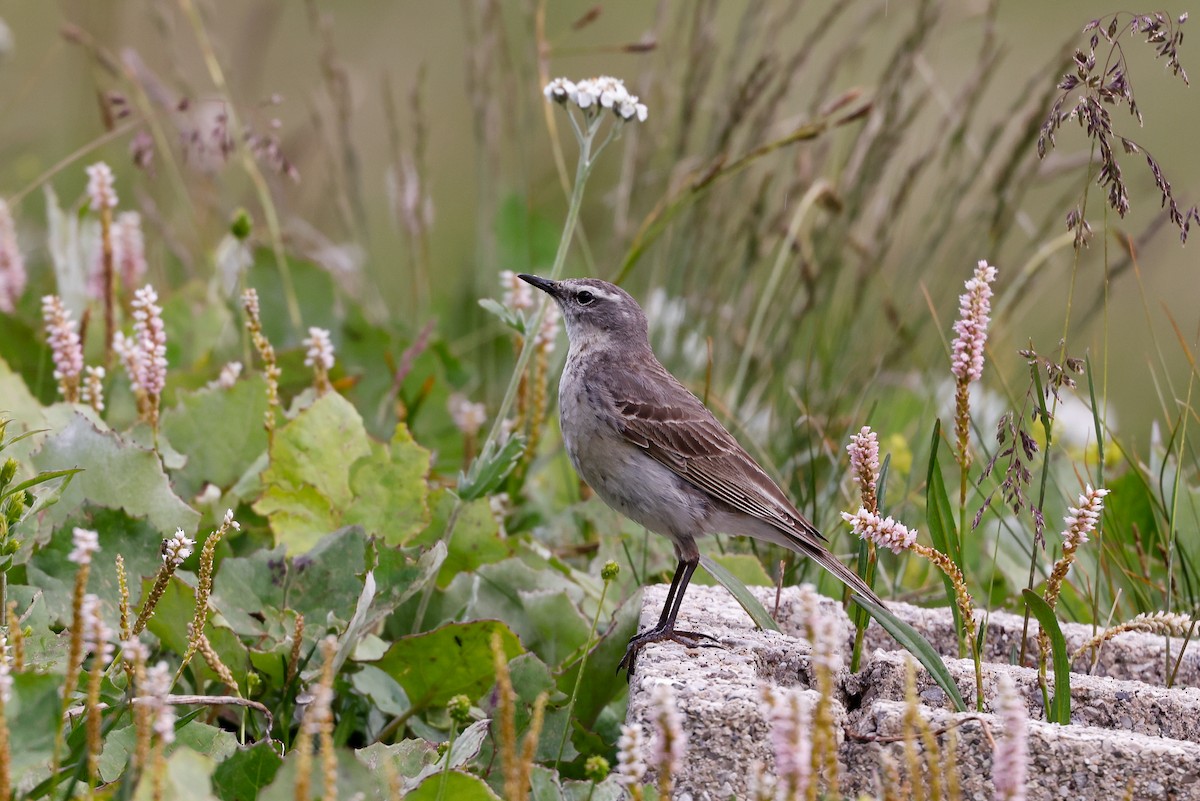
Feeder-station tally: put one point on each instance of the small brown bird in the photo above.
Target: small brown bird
(652, 451)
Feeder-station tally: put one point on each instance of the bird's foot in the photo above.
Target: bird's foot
(688, 639)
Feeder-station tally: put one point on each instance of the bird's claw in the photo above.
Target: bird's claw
(688, 639)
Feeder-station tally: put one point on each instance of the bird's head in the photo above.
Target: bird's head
(595, 311)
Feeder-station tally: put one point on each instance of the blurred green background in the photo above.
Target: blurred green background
(328, 71)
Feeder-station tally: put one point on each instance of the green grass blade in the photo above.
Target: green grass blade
(942, 530)
(918, 646)
(757, 612)
(1059, 710)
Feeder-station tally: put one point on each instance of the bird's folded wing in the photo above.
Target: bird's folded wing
(686, 438)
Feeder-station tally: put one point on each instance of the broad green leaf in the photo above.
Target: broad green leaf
(1059, 709)
(136, 541)
(308, 480)
(457, 785)
(918, 646)
(602, 684)
(416, 760)
(757, 612)
(476, 540)
(490, 468)
(354, 780)
(199, 737)
(559, 630)
(745, 567)
(246, 771)
(546, 785)
(188, 775)
(437, 665)
(30, 712)
(941, 519)
(220, 431)
(390, 489)
(115, 474)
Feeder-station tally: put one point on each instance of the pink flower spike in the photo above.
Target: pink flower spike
(1081, 520)
(884, 532)
(65, 347)
(974, 306)
(100, 188)
(1010, 761)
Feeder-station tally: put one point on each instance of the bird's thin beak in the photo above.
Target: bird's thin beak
(544, 284)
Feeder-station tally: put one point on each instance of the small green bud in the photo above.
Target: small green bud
(240, 225)
(459, 709)
(596, 769)
(16, 508)
(11, 546)
(7, 472)
(442, 748)
(254, 683)
(610, 570)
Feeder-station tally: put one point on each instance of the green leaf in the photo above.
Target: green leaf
(1059, 709)
(918, 646)
(476, 541)
(31, 713)
(490, 468)
(391, 489)
(119, 745)
(745, 567)
(506, 315)
(758, 613)
(115, 474)
(437, 665)
(458, 785)
(135, 540)
(560, 631)
(188, 775)
(247, 771)
(170, 622)
(942, 529)
(221, 432)
(308, 481)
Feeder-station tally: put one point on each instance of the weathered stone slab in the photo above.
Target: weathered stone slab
(1124, 734)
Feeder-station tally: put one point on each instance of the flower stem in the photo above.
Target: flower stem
(562, 744)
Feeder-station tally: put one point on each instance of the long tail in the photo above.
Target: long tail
(806, 543)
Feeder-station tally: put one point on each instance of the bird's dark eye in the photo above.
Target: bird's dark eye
(585, 298)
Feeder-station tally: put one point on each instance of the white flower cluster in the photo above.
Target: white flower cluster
(228, 376)
(100, 187)
(93, 387)
(1010, 760)
(134, 651)
(12, 264)
(547, 332)
(65, 347)
(791, 740)
(319, 353)
(670, 740)
(177, 548)
(85, 542)
(229, 522)
(150, 338)
(596, 93)
(884, 532)
(974, 308)
(468, 417)
(631, 766)
(158, 687)
(96, 635)
(1081, 520)
(864, 459)
(6, 679)
(518, 295)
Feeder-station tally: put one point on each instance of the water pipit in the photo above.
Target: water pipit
(652, 451)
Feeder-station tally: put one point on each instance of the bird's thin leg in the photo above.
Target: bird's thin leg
(666, 615)
(665, 630)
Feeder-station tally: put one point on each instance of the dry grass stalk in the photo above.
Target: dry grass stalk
(506, 716)
(266, 352)
(204, 582)
(1165, 623)
(16, 640)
